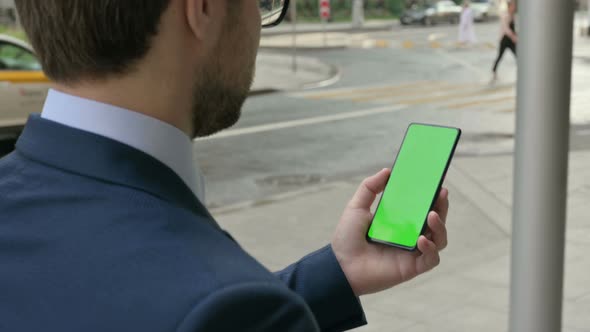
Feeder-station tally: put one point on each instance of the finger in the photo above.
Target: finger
(429, 258)
(438, 231)
(369, 189)
(442, 204)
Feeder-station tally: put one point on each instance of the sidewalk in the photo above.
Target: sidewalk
(470, 290)
(319, 36)
(274, 70)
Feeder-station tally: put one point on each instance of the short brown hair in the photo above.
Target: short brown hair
(90, 39)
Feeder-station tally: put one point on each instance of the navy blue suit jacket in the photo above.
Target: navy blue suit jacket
(98, 236)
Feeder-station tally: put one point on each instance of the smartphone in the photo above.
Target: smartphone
(413, 186)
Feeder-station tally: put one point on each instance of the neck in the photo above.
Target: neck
(158, 94)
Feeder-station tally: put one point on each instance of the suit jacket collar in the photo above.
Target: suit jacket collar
(99, 157)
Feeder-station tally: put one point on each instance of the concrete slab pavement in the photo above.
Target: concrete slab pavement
(470, 290)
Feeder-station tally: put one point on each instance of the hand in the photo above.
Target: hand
(370, 267)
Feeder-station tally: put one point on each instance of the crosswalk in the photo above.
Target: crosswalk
(442, 95)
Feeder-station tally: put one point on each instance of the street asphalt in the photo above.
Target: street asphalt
(292, 139)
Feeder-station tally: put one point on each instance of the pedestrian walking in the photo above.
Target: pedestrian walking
(509, 37)
(466, 26)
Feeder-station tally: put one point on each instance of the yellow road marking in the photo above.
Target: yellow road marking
(381, 43)
(481, 102)
(409, 91)
(355, 92)
(428, 100)
(407, 44)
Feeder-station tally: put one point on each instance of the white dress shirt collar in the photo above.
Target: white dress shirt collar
(162, 141)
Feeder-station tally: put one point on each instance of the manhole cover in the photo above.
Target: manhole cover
(289, 180)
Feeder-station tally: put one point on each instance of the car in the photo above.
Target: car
(7, 16)
(23, 88)
(429, 14)
(485, 10)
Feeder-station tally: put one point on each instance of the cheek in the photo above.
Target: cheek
(254, 20)
(254, 11)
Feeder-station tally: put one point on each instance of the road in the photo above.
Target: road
(292, 141)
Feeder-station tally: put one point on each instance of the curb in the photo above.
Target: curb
(261, 92)
(304, 48)
(322, 74)
(384, 27)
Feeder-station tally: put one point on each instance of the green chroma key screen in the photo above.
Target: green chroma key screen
(414, 182)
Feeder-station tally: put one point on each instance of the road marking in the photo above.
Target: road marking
(436, 36)
(377, 92)
(435, 44)
(381, 43)
(481, 102)
(421, 90)
(350, 92)
(303, 122)
(408, 44)
(442, 94)
(507, 110)
(437, 97)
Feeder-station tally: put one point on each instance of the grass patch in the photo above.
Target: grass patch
(14, 32)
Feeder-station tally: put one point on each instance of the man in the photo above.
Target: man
(101, 228)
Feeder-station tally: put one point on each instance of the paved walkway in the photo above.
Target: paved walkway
(469, 291)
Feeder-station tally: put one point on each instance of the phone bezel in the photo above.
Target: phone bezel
(441, 181)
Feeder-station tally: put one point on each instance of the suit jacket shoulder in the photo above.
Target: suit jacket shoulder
(97, 236)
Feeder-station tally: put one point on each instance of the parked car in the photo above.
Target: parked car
(485, 10)
(7, 16)
(440, 12)
(23, 88)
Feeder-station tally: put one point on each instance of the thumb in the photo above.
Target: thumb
(369, 189)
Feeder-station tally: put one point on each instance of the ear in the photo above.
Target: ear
(199, 16)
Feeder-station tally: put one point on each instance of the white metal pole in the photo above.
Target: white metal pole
(324, 28)
(541, 165)
(358, 16)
